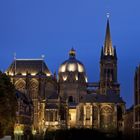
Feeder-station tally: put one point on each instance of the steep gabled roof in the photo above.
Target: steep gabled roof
(28, 65)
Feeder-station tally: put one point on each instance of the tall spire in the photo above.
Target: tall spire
(108, 49)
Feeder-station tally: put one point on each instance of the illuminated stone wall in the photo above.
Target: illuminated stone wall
(38, 88)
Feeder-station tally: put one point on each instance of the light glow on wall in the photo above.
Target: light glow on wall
(12, 74)
(64, 78)
(63, 68)
(86, 79)
(72, 114)
(76, 77)
(48, 74)
(80, 68)
(33, 131)
(18, 129)
(33, 74)
(109, 50)
(24, 74)
(71, 67)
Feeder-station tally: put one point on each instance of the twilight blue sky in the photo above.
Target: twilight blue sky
(51, 27)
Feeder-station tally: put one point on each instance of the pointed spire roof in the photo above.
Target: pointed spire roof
(108, 49)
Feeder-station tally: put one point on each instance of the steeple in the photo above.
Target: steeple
(108, 65)
(108, 49)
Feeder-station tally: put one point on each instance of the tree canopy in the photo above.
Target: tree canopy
(8, 105)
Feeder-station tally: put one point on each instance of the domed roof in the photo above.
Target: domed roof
(72, 65)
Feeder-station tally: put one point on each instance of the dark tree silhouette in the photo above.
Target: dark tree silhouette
(8, 105)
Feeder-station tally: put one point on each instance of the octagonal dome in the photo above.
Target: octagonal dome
(72, 65)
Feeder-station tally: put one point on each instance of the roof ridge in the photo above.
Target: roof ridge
(30, 59)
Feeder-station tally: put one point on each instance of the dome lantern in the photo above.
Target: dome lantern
(72, 53)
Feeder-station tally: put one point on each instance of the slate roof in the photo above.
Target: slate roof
(99, 98)
(28, 65)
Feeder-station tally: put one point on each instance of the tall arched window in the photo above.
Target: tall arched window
(95, 113)
(20, 85)
(106, 117)
(88, 113)
(33, 88)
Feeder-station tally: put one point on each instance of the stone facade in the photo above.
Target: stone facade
(128, 123)
(33, 78)
(24, 115)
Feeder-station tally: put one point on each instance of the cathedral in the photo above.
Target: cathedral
(68, 100)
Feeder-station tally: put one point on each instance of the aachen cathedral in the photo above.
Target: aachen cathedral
(68, 100)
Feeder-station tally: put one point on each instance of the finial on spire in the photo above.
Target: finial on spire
(43, 56)
(108, 15)
(14, 56)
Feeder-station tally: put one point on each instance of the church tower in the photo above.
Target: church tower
(108, 65)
